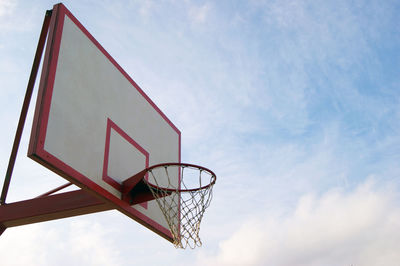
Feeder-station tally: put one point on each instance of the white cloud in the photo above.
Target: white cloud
(19, 17)
(89, 242)
(360, 227)
(199, 14)
(80, 242)
(146, 7)
(6, 7)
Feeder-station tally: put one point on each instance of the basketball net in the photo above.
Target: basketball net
(182, 203)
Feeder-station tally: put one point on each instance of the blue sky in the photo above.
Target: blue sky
(294, 105)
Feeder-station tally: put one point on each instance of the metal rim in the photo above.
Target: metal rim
(165, 165)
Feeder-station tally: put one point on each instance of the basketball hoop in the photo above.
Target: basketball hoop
(182, 203)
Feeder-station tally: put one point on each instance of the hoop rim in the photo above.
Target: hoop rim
(201, 168)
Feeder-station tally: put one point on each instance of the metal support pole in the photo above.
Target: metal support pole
(54, 190)
(51, 207)
(25, 106)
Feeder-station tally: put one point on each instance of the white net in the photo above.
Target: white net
(183, 192)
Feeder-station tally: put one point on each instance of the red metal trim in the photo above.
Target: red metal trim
(54, 190)
(46, 82)
(129, 185)
(131, 182)
(33, 143)
(52, 207)
(140, 192)
(25, 106)
(201, 168)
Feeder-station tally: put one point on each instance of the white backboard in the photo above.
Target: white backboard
(93, 124)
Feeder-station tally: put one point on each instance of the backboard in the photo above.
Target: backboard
(93, 124)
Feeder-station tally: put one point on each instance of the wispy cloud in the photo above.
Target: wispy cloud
(199, 13)
(7, 7)
(337, 228)
(80, 242)
(11, 21)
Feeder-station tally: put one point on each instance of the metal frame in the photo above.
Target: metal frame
(46, 206)
(49, 206)
(25, 106)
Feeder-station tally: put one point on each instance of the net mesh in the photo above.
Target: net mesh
(182, 200)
